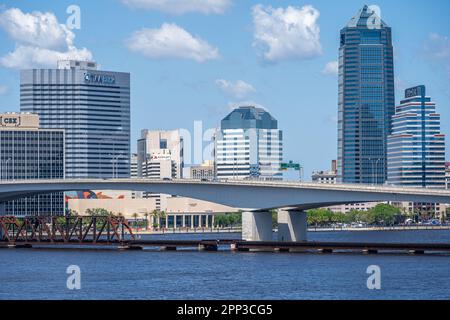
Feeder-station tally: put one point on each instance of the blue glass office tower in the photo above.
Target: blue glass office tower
(92, 106)
(366, 98)
(416, 147)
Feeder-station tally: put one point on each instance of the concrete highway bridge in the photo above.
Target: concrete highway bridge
(254, 198)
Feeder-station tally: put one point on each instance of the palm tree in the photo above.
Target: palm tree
(146, 220)
(155, 215)
(135, 217)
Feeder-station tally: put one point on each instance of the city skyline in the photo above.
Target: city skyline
(257, 74)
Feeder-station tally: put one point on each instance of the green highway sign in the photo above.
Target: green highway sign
(290, 165)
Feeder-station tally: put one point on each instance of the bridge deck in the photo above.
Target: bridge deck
(237, 245)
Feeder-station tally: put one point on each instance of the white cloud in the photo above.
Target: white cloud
(239, 89)
(181, 6)
(331, 68)
(3, 90)
(24, 57)
(40, 40)
(171, 41)
(437, 50)
(291, 33)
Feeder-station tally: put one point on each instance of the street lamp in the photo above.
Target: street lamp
(374, 168)
(6, 169)
(115, 168)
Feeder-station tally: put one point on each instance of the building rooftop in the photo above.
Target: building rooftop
(77, 64)
(367, 17)
(247, 117)
(19, 120)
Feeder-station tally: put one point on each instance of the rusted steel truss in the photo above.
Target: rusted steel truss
(86, 229)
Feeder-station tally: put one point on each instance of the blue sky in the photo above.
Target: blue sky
(225, 59)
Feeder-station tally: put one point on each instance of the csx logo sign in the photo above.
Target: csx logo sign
(10, 122)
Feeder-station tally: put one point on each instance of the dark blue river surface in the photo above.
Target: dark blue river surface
(111, 274)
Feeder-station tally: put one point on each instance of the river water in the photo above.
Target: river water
(111, 274)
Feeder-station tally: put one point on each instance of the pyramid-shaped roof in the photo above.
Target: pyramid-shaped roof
(246, 117)
(366, 17)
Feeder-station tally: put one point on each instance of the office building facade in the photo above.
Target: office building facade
(133, 166)
(447, 175)
(160, 156)
(330, 177)
(327, 177)
(29, 152)
(161, 149)
(416, 147)
(204, 171)
(92, 106)
(249, 145)
(366, 98)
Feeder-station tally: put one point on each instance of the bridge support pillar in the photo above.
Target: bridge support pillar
(292, 226)
(257, 226)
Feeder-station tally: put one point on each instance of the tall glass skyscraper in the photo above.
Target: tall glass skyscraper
(92, 106)
(249, 145)
(416, 147)
(366, 98)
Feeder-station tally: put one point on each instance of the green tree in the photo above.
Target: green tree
(320, 217)
(98, 212)
(155, 215)
(135, 217)
(228, 220)
(352, 216)
(383, 214)
(274, 219)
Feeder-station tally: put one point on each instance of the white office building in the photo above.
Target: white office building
(249, 145)
(160, 154)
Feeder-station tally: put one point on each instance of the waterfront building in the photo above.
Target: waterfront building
(366, 98)
(177, 212)
(327, 177)
(30, 152)
(133, 166)
(204, 171)
(160, 154)
(447, 175)
(92, 106)
(347, 208)
(134, 172)
(249, 145)
(416, 147)
(330, 177)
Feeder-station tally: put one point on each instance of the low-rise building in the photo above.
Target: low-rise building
(203, 171)
(330, 177)
(176, 212)
(327, 177)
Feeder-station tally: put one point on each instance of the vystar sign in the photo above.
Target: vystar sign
(99, 78)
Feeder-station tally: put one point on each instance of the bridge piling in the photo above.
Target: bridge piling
(292, 226)
(257, 226)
